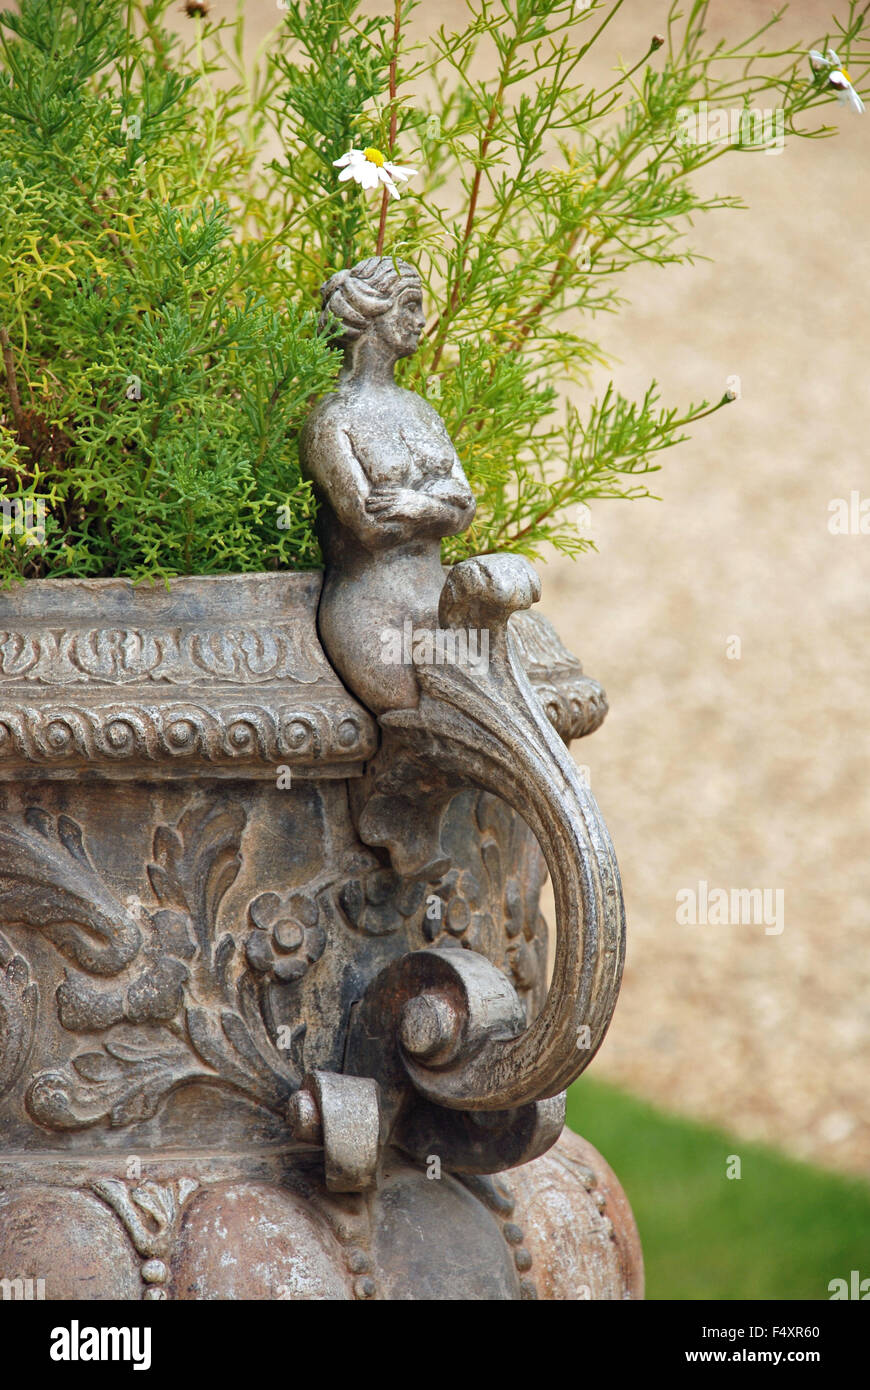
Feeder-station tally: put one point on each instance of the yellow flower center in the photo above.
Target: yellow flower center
(374, 156)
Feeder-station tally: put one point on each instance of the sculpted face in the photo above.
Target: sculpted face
(400, 327)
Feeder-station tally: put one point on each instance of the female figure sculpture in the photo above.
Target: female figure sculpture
(390, 486)
(388, 480)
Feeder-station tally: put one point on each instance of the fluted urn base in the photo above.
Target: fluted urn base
(262, 1226)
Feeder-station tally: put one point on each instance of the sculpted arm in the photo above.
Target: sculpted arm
(443, 510)
(456, 495)
(328, 458)
(441, 507)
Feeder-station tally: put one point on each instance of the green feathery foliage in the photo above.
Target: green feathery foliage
(168, 210)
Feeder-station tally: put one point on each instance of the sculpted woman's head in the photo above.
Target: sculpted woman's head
(378, 298)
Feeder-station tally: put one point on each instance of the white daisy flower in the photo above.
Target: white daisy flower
(838, 79)
(369, 167)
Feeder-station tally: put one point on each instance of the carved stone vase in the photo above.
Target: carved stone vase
(274, 1009)
(206, 975)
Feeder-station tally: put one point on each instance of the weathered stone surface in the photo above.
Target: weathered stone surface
(248, 1241)
(68, 1239)
(434, 1240)
(578, 1225)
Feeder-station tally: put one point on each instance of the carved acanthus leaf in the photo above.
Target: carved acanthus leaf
(19, 999)
(149, 1210)
(48, 882)
(196, 863)
(126, 1081)
(184, 1007)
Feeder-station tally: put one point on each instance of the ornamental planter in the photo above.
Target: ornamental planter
(184, 941)
(274, 1014)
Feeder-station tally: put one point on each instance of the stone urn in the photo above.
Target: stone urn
(274, 1009)
(219, 1005)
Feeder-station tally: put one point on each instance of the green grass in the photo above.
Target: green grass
(783, 1230)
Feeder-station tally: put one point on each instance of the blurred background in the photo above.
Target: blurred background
(749, 770)
(741, 763)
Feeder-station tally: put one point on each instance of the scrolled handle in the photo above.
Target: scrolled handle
(486, 729)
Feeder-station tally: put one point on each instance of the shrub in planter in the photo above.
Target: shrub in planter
(169, 211)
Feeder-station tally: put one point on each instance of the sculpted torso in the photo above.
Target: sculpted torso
(390, 487)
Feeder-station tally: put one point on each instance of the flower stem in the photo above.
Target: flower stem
(12, 381)
(394, 61)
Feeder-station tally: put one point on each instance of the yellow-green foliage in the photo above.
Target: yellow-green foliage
(168, 210)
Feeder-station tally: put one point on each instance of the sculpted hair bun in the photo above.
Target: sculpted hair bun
(355, 297)
(334, 283)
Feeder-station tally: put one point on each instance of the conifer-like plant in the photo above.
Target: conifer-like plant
(169, 207)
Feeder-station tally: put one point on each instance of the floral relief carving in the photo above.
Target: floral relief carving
(287, 936)
(166, 998)
(381, 901)
(174, 1000)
